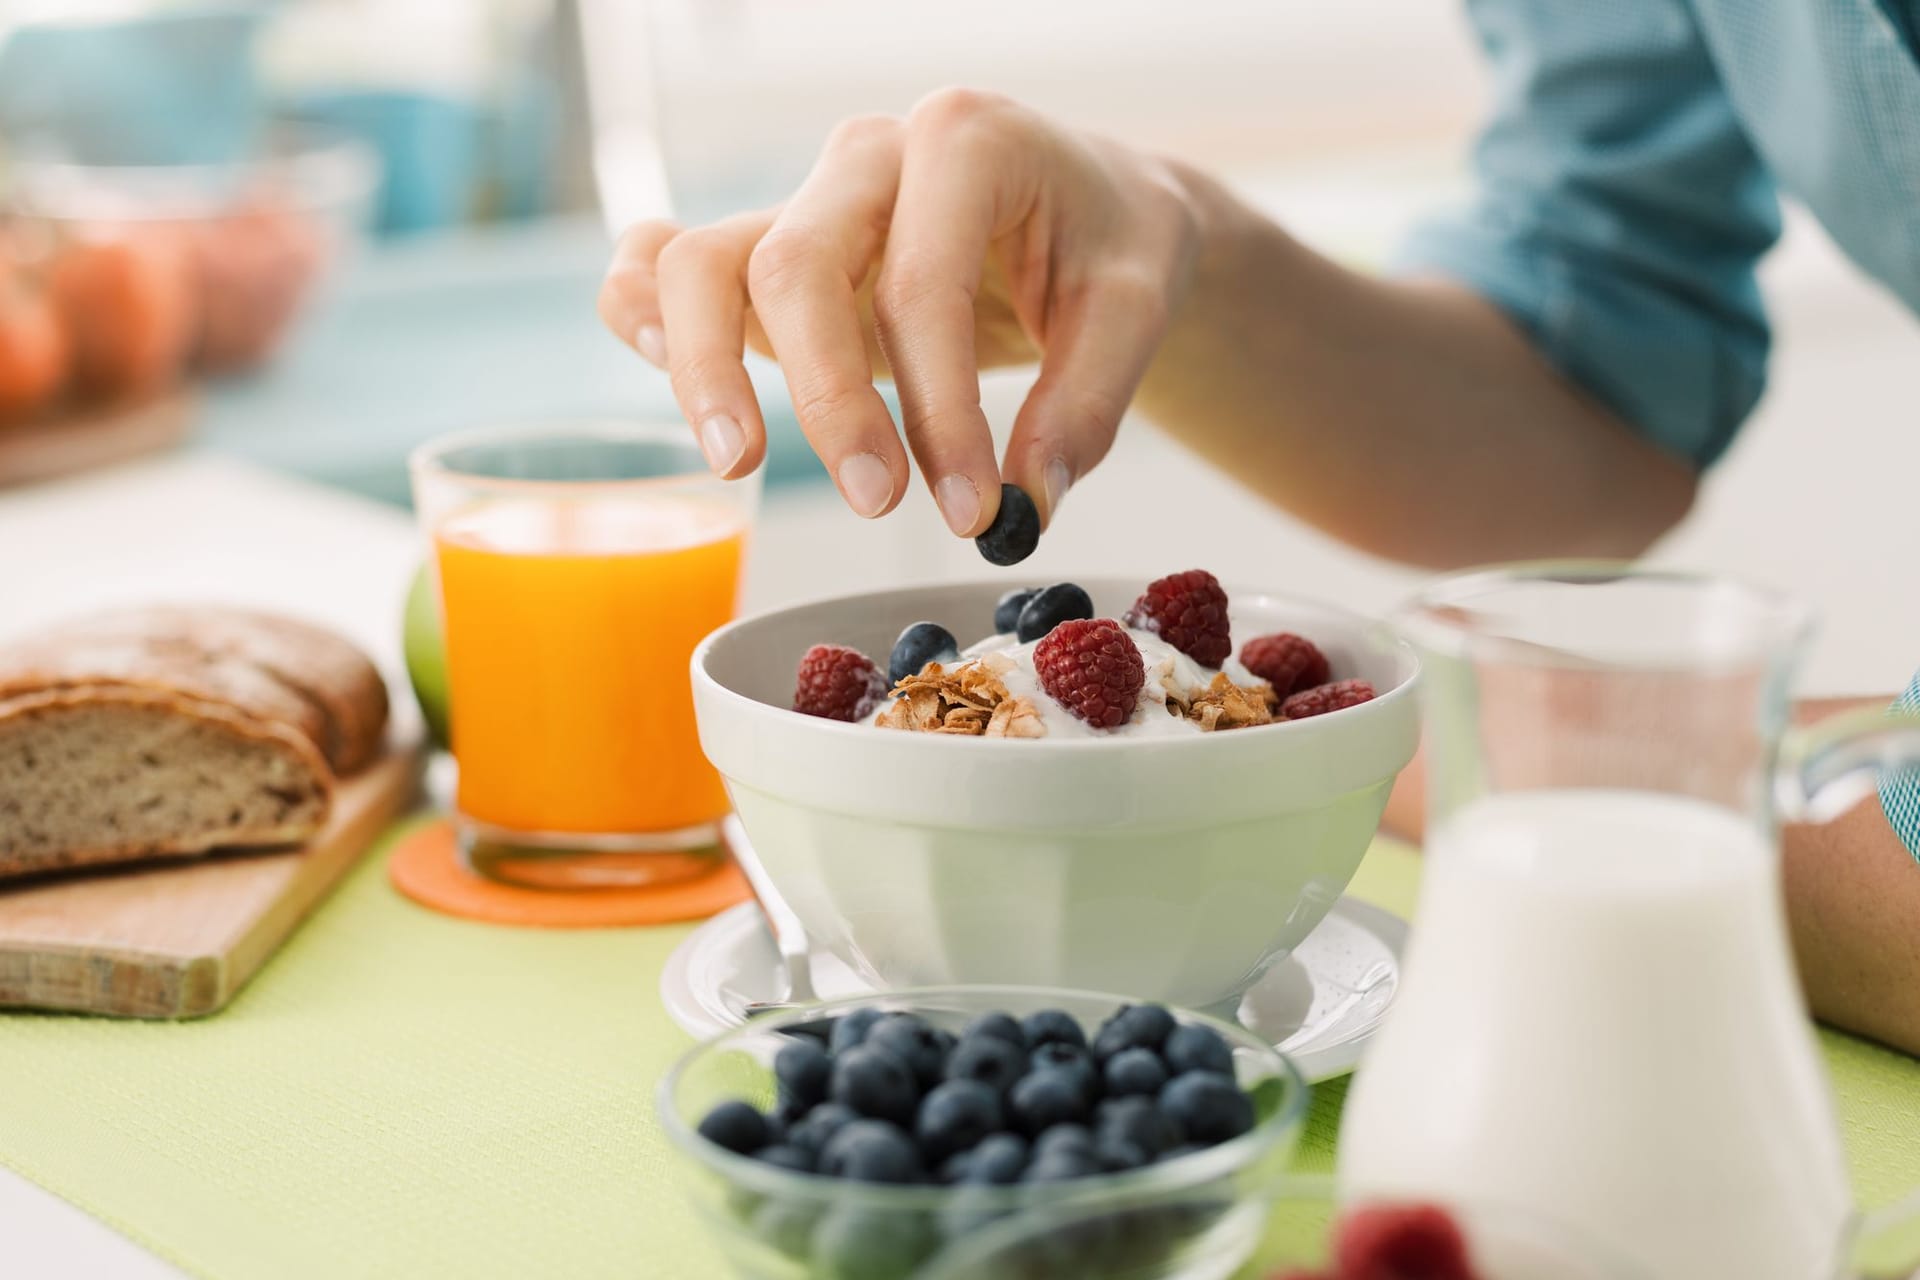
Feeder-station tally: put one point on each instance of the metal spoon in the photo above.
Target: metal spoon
(789, 938)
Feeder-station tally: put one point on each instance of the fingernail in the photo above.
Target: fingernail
(959, 501)
(722, 440)
(867, 484)
(651, 342)
(1057, 478)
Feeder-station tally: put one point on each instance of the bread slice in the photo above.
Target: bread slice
(108, 773)
(76, 659)
(279, 667)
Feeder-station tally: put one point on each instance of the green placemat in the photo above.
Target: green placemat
(405, 1095)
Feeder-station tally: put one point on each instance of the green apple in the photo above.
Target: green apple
(427, 654)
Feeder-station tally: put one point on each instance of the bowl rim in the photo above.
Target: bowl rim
(1376, 632)
(322, 166)
(1187, 1174)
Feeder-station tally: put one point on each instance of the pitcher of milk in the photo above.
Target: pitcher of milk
(1600, 1021)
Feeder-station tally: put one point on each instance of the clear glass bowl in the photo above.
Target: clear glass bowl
(1195, 1218)
(259, 237)
(1300, 1213)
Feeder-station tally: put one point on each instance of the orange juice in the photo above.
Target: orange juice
(569, 626)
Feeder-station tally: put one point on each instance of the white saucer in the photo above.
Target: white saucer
(1320, 1006)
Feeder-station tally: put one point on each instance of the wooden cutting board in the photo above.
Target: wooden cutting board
(84, 440)
(180, 940)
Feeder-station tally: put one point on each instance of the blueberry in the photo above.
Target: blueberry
(851, 1030)
(1135, 1071)
(1006, 614)
(988, 1059)
(871, 1151)
(919, 644)
(1208, 1105)
(910, 1039)
(1061, 1137)
(1063, 1165)
(1071, 1060)
(956, 1167)
(1139, 1122)
(812, 1130)
(804, 1071)
(787, 1225)
(785, 1155)
(999, 1159)
(1061, 602)
(737, 1126)
(1136, 1026)
(876, 1083)
(1015, 530)
(1053, 1025)
(955, 1116)
(1196, 1048)
(870, 1244)
(1001, 1026)
(1044, 1099)
(1117, 1155)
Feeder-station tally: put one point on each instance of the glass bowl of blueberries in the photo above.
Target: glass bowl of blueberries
(984, 1132)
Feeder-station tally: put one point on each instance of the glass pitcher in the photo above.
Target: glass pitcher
(1600, 1020)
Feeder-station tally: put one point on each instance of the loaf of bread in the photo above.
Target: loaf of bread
(174, 731)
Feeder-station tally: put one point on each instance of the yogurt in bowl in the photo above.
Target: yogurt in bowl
(1169, 864)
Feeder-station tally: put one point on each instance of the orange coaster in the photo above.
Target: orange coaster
(427, 867)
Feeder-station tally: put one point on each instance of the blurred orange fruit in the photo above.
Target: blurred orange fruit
(255, 266)
(128, 302)
(33, 348)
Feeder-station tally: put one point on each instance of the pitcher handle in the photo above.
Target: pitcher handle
(1886, 1241)
(1828, 767)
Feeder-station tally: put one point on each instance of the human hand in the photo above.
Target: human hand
(970, 235)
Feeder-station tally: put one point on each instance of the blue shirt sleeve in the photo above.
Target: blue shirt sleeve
(1900, 791)
(1620, 216)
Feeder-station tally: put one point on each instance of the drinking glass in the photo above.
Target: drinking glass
(1600, 1020)
(578, 566)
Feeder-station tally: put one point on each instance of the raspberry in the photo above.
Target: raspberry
(838, 683)
(1189, 611)
(1286, 661)
(1093, 669)
(1337, 696)
(1401, 1242)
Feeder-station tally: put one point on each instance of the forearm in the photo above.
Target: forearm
(1409, 419)
(1853, 906)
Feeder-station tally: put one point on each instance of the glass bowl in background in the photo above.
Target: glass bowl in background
(1195, 1218)
(203, 268)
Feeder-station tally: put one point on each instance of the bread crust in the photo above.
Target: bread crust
(275, 669)
(303, 810)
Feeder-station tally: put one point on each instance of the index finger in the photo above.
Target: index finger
(960, 188)
(802, 279)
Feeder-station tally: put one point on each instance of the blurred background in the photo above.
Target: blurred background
(308, 234)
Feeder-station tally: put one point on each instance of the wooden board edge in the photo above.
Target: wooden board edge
(73, 980)
(132, 983)
(246, 954)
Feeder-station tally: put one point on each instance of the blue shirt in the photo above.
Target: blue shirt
(1629, 178)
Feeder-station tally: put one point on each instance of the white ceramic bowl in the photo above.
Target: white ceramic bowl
(1169, 868)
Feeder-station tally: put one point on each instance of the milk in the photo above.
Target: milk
(1600, 1023)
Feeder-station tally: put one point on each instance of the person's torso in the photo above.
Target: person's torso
(1829, 94)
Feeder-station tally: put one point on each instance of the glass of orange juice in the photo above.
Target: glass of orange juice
(578, 566)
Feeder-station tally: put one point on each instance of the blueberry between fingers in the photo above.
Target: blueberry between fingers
(1015, 530)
